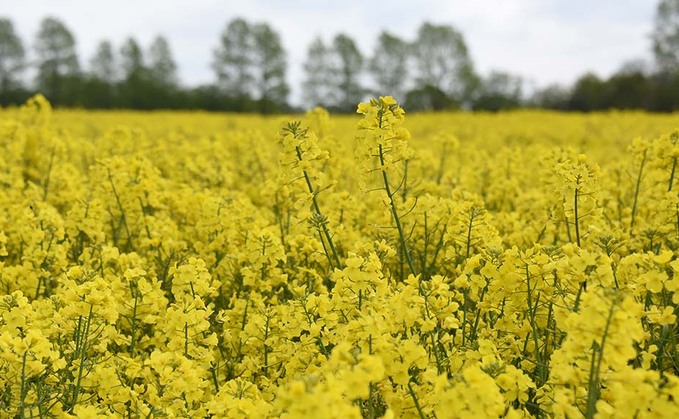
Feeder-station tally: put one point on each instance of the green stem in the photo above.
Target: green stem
(636, 190)
(417, 403)
(134, 322)
(46, 187)
(583, 287)
(531, 314)
(595, 370)
(266, 347)
(395, 215)
(186, 339)
(22, 406)
(469, 233)
(317, 210)
(371, 406)
(213, 372)
(674, 168)
(325, 248)
(577, 218)
(123, 218)
(82, 350)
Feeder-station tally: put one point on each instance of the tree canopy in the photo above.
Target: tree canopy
(432, 71)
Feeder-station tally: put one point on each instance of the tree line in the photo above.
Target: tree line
(433, 71)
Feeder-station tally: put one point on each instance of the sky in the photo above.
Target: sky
(544, 41)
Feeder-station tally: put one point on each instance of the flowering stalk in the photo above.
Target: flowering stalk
(302, 144)
(383, 136)
(594, 383)
(82, 345)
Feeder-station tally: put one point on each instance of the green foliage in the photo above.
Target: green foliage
(347, 71)
(499, 91)
(270, 66)
(665, 36)
(433, 71)
(332, 74)
(12, 56)
(57, 62)
(443, 61)
(389, 65)
(233, 60)
(316, 88)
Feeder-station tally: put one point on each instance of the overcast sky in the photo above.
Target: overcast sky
(545, 41)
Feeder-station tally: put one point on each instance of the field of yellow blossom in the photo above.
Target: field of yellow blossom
(376, 265)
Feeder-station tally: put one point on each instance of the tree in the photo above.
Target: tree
(552, 96)
(498, 91)
(12, 56)
(389, 65)
(57, 61)
(443, 61)
(132, 60)
(347, 66)
(636, 65)
(588, 94)
(161, 80)
(98, 88)
(233, 59)
(628, 90)
(270, 65)
(134, 85)
(103, 63)
(663, 92)
(316, 88)
(162, 67)
(429, 98)
(665, 36)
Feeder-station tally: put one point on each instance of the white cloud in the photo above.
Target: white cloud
(544, 40)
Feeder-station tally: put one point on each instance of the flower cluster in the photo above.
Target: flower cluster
(181, 265)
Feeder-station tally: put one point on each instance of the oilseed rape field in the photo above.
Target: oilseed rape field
(377, 265)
